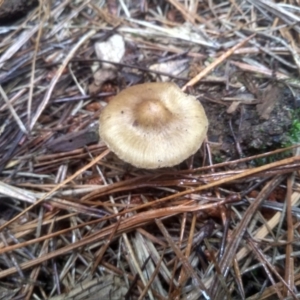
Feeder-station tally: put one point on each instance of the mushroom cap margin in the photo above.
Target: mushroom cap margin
(163, 145)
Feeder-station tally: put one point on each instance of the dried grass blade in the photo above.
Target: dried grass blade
(57, 75)
(99, 157)
(264, 230)
(239, 232)
(198, 284)
(267, 265)
(13, 112)
(28, 289)
(105, 246)
(218, 61)
(289, 261)
(154, 274)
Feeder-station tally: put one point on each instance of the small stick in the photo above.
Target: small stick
(219, 60)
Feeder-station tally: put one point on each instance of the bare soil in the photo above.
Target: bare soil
(251, 128)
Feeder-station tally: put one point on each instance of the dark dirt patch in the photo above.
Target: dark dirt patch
(251, 128)
(12, 10)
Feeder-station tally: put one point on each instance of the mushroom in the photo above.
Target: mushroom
(153, 125)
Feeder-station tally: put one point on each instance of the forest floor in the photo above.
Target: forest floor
(76, 222)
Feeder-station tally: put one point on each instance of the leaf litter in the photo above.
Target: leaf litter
(78, 223)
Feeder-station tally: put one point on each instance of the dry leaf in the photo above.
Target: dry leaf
(111, 50)
(172, 67)
(269, 97)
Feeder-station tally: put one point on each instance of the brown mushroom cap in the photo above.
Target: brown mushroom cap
(153, 125)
